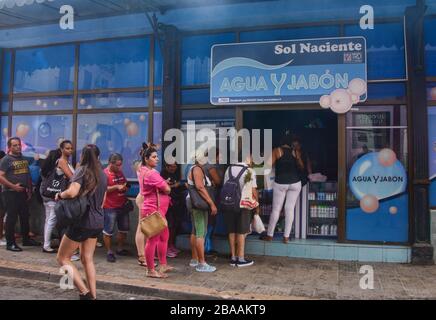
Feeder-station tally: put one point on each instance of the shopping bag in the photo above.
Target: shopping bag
(269, 179)
(257, 224)
(247, 199)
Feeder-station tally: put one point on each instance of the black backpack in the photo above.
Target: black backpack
(230, 196)
(52, 184)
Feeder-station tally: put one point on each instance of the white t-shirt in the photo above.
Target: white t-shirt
(236, 170)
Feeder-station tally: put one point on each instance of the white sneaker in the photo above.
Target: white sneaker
(204, 267)
(2, 242)
(75, 257)
(99, 245)
(193, 263)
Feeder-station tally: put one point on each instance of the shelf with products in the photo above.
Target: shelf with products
(322, 209)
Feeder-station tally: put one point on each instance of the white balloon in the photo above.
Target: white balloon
(357, 86)
(355, 98)
(325, 101)
(341, 101)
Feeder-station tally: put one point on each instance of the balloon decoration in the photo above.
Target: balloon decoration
(342, 100)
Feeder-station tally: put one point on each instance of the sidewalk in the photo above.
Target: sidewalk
(268, 278)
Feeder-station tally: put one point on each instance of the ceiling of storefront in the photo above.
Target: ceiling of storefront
(17, 13)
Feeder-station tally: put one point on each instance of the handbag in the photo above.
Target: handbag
(197, 200)
(52, 184)
(71, 211)
(154, 223)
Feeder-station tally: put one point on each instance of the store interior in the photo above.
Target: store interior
(317, 131)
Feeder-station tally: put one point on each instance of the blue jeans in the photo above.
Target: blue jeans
(118, 216)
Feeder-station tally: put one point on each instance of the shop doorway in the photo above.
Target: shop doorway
(317, 131)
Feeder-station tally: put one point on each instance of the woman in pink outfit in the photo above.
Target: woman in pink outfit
(152, 182)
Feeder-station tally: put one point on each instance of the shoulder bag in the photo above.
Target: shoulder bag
(197, 200)
(70, 211)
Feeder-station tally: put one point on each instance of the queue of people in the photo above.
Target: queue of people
(207, 192)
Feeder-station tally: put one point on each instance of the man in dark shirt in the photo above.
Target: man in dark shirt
(17, 191)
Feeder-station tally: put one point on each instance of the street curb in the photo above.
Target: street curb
(138, 287)
(109, 286)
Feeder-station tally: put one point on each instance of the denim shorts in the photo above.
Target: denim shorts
(112, 216)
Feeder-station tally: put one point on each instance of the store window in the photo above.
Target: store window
(113, 100)
(4, 127)
(430, 46)
(158, 65)
(114, 64)
(157, 99)
(44, 69)
(390, 91)
(6, 71)
(196, 56)
(195, 96)
(377, 199)
(4, 104)
(291, 34)
(385, 49)
(43, 103)
(157, 128)
(41, 133)
(114, 132)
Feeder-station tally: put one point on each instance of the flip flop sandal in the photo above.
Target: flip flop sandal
(166, 269)
(141, 261)
(156, 274)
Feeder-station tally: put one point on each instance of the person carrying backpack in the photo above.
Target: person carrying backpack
(237, 219)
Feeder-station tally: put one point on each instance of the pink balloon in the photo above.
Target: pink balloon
(369, 204)
(22, 130)
(393, 210)
(357, 86)
(433, 93)
(387, 157)
(341, 101)
(132, 129)
(325, 101)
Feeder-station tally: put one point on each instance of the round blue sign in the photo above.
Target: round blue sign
(378, 174)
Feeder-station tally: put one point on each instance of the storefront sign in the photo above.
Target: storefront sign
(377, 176)
(292, 71)
(379, 181)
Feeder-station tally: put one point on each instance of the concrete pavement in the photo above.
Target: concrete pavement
(268, 278)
